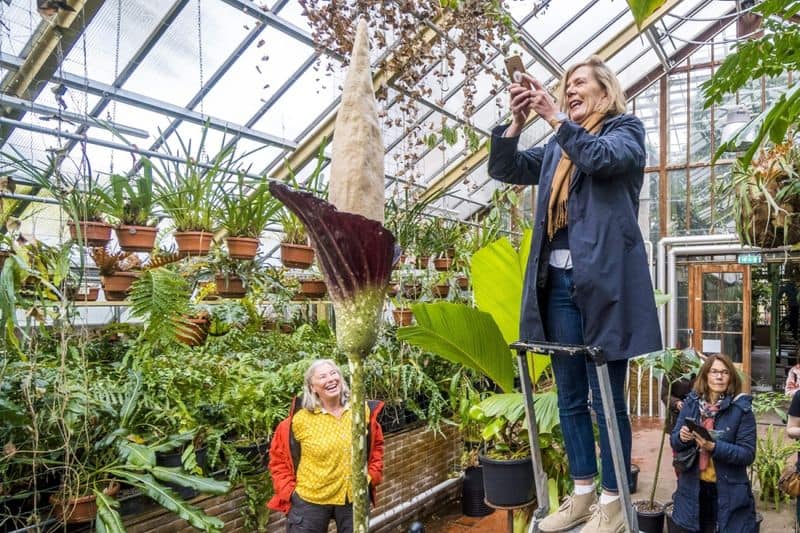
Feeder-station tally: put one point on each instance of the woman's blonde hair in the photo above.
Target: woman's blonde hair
(701, 382)
(615, 104)
(310, 399)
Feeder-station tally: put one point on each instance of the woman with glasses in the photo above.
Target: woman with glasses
(714, 494)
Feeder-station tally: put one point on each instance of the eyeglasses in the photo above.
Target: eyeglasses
(723, 372)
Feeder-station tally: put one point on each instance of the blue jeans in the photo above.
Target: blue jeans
(574, 376)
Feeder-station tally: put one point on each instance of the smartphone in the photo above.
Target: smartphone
(692, 424)
(516, 68)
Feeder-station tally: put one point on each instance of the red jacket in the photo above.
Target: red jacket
(284, 452)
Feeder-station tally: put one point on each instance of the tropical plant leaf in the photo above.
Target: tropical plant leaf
(161, 298)
(200, 484)
(108, 518)
(463, 335)
(641, 9)
(168, 499)
(137, 455)
(511, 406)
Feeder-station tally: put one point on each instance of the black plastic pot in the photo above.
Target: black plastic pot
(256, 454)
(649, 521)
(472, 493)
(392, 418)
(634, 485)
(508, 483)
(172, 460)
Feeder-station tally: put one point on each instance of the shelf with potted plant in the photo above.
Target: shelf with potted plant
(131, 202)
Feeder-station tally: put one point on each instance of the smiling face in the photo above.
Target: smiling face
(326, 382)
(719, 378)
(584, 94)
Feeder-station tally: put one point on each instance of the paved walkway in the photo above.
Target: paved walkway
(646, 440)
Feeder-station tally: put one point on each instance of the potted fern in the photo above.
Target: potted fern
(131, 202)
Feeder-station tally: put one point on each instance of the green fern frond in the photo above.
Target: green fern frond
(160, 297)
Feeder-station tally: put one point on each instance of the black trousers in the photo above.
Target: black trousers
(306, 517)
(708, 509)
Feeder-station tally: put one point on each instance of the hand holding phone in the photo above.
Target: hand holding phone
(516, 70)
(694, 427)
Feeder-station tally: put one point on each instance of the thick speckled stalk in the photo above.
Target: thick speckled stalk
(358, 444)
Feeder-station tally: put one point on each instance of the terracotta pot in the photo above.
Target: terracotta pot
(422, 262)
(296, 255)
(82, 509)
(117, 285)
(242, 247)
(195, 332)
(311, 288)
(442, 264)
(86, 294)
(268, 325)
(92, 233)
(230, 286)
(463, 282)
(412, 291)
(136, 238)
(402, 316)
(441, 291)
(193, 242)
(400, 262)
(286, 327)
(4, 254)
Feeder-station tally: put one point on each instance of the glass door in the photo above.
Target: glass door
(719, 311)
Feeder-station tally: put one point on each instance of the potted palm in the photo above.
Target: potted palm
(131, 202)
(244, 214)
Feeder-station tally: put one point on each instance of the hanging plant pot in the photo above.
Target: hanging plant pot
(402, 316)
(194, 332)
(193, 242)
(242, 247)
(422, 262)
(311, 288)
(650, 520)
(412, 290)
(508, 483)
(296, 255)
(392, 290)
(4, 254)
(80, 509)
(400, 262)
(441, 290)
(91, 233)
(230, 286)
(268, 324)
(117, 285)
(286, 327)
(462, 282)
(442, 264)
(83, 294)
(136, 238)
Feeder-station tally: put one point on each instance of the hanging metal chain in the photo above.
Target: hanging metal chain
(200, 51)
(113, 118)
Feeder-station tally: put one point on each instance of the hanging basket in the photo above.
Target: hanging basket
(83, 294)
(91, 233)
(442, 264)
(311, 288)
(402, 316)
(242, 247)
(117, 285)
(193, 242)
(296, 255)
(230, 286)
(136, 238)
(441, 290)
(412, 290)
(462, 282)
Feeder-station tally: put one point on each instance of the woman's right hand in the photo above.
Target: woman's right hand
(686, 435)
(521, 104)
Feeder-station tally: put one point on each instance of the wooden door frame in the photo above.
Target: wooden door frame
(696, 272)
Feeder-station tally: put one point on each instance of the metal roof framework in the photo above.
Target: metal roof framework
(157, 77)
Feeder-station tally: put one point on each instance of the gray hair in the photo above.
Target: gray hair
(310, 399)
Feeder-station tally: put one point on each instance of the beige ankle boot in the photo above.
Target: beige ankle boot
(576, 509)
(606, 519)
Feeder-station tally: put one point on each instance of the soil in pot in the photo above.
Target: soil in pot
(136, 238)
(296, 255)
(472, 494)
(650, 520)
(80, 509)
(508, 483)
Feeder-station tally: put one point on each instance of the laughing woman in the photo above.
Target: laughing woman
(317, 489)
(715, 493)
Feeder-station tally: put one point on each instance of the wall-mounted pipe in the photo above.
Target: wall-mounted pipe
(419, 499)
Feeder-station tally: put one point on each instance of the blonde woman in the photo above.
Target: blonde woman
(587, 280)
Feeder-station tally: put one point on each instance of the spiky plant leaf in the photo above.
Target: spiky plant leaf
(160, 297)
(108, 518)
(200, 484)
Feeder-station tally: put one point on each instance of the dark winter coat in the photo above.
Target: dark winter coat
(735, 450)
(613, 290)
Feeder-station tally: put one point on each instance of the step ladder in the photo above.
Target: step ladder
(597, 356)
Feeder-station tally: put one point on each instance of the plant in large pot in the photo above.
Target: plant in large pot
(244, 214)
(131, 202)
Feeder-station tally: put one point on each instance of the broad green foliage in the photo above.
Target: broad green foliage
(641, 9)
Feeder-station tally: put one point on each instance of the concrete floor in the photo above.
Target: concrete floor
(646, 440)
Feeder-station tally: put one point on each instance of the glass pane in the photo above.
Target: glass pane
(652, 181)
(677, 132)
(677, 202)
(700, 198)
(701, 126)
(722, 317)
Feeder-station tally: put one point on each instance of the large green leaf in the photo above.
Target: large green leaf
(512, 407)
(463, 335)
(641, 9)
(108, 519)
(168, 499)
(200, 484)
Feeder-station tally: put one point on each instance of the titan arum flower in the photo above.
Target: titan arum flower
(354, 251)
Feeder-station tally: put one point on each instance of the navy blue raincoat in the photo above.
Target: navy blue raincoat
(613, 290)
(735, 450)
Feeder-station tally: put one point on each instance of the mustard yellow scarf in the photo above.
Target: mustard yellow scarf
(559, 191)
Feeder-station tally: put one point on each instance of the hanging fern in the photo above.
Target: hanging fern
(160, 297)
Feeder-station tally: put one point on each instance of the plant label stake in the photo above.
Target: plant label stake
(597, 356)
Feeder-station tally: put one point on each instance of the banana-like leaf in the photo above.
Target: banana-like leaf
(512, 408)
(200, 484)
(641, 9)
(108, 519)
(168, 499)
(137, 455)
(463, 335)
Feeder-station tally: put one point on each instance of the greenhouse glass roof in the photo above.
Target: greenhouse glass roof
(158, 70)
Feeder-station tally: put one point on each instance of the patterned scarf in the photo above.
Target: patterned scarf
(708, 412)
(559, 192)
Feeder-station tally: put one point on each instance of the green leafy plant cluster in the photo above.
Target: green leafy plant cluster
(773, 451)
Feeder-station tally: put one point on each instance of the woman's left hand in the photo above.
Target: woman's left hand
(707, 445)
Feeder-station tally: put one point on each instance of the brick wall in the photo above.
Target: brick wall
(414, 461)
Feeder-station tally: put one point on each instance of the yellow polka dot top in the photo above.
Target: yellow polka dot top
(323, 476)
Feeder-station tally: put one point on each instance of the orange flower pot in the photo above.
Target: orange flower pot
(92, 233)
(242, 247)
(402, 316)
(136, 238)
(296, 255)
(230, 286)
(193, 242)
(82, 509)
(117, 285)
